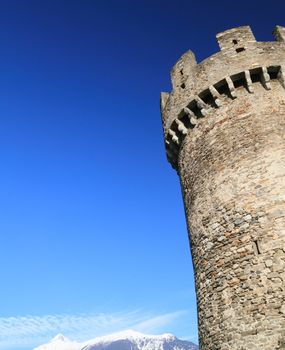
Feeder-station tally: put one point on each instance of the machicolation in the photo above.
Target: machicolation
(224, 128)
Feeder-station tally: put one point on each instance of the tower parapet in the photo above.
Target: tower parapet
(197, 88)
(224, 127)
(236, 39)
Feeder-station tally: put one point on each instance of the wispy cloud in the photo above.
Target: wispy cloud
(157, 323)
(29, 331)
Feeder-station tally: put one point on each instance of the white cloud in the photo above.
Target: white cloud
(30, 331)
(157, 323)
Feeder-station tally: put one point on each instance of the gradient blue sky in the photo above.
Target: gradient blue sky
(93, 235)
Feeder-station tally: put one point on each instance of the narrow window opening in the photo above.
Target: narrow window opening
(240, 49)
(235, 41)
(182, 86)
(256, 247)
(181, 71)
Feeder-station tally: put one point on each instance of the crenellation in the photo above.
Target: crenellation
(236, 38)
(164, 96)
(183, 71)
(225, 138)
(279, 33)
(199, 107)
(198, 77)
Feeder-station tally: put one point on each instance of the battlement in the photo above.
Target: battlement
(236, 38)
(182, 72)
(279, 33)
(198, 88)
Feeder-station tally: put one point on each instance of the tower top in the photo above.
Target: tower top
(235, 38)
(199, 87)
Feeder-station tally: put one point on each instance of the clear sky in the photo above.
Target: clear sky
(93, 235)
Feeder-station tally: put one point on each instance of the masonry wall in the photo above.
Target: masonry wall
(232, 172)
(231, 162)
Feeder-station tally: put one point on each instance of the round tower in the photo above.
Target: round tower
(224, 128)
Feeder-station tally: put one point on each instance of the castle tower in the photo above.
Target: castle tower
(224, 128)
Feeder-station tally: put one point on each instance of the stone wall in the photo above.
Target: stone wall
(227, 141)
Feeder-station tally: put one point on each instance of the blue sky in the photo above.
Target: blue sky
(93, 235)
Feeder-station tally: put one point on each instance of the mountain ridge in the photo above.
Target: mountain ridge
(125, 340)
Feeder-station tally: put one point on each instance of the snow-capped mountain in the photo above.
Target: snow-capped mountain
(131, 340)
(127, 340)
(60, 342)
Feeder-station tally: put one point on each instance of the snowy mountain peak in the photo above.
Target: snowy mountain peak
(60, 337)
(60, 342)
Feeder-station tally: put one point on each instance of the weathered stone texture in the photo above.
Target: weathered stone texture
(228, 147)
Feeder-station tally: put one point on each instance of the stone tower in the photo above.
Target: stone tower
(224, 128)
